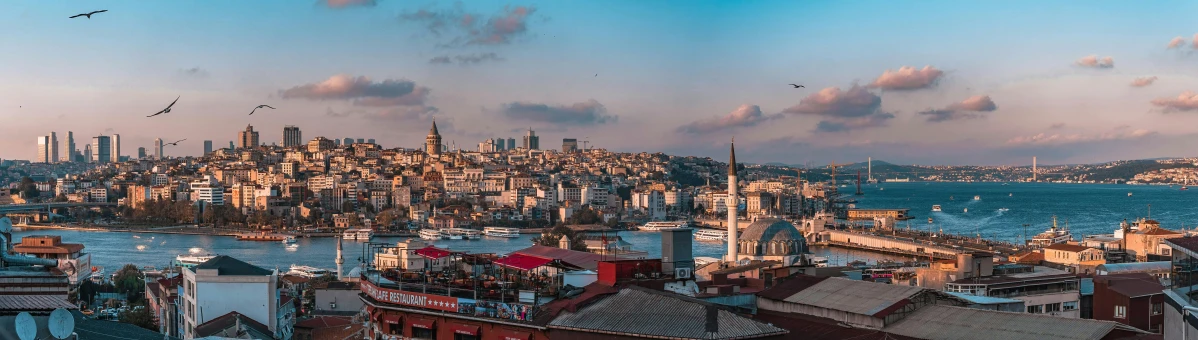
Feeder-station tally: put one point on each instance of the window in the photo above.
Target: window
(1068, 306)
(422, 333)
(1037, 309)
(464, 337)
(1052, 308)
(1121, 312)
(1158, 308)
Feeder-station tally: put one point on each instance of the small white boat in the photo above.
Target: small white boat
(966, 209)
(658, 226)
(711, 235)
(430, 234)
(1010, 194)
(977, 198)
(306, 271)
(1003, 209)
(289, 240)
(1129, 194)
(819, 261)
(501, 232)
(189, 261)
(936, 207)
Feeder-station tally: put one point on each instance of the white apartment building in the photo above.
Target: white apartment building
(208, 191)
(224, 285)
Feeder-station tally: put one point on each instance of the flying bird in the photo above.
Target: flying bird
(176, 143)
(796, 85)
(167, 109)
(259, 107)
(88, 15)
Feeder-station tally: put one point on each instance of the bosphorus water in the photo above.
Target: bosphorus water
(1088, 208)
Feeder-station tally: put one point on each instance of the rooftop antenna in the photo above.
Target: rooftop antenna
(26, 326)
(62, 324)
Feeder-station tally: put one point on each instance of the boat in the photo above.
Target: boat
(358, 234)
(819, 261)
(1003, 209)
(711, 234)
(1010, 194)
(1053, 235)
(190, 261)
(430, 234)
(1186, 185)
(977, 198)
(501, 232)
(658, 226)
(462, 233)
(936, 207)
(966, 209)
(929, 220)
(261, 237)
(289, 240)
(1129, 194)
(306, 271)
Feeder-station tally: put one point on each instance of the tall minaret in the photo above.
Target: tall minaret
(340, 259)
(732, 201)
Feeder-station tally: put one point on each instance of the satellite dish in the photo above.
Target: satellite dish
(26, 326)
(62, 324)
(5, 225)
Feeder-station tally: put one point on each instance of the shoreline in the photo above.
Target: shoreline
(185, 230)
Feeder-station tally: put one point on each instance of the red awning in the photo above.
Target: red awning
(391, 318)
(432, 252)
(522, 262)
(512, 335)
(421, 323)
(463, 329)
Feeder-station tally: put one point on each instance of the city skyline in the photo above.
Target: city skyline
(966, 85)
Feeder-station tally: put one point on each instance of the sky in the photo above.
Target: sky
(926, 82)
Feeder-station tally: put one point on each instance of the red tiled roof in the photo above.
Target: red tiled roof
(172, 282)
(1132, 284)
(580, 259)
(432, 252)
(1067, 247)
(1187, 243)
(1158, 231)
(522, 262)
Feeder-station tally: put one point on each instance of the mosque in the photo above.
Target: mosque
(767, 239)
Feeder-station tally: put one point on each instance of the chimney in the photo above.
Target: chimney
(712, 323)
(564, 242)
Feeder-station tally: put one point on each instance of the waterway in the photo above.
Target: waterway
(1088, 209)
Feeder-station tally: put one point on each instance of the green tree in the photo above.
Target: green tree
(140, 316)
(585, 215)
(551, 238)
(28, 188)
(128, 280)
(347, 206)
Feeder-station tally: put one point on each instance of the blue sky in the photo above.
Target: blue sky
(983, 82)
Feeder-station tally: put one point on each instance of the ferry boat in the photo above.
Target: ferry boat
(658, 226)
(1051, 236)
(430, 234)
(977, 198)
(357, 234)
(261, 237)
(190, 261)
(936, 208)
(501, 232)
(819, 261)
(306, 271)
(463, 234)
(289, 240)
(929, 220)
(711, 234)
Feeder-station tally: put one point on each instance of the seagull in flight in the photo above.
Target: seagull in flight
(167, 109)
(259, 107)
(175, 143)
(88, 15)
(796, 85)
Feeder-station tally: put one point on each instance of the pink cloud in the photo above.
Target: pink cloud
(1186, 101)
(1143, 81)
(965, 109)
(464, 28)
(1176, 42)
(907, 78)
(348, 3)
(1095, 62)
(1059, 139)
(744, 116)
(362, 90)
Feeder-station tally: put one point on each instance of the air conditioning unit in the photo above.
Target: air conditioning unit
(682, 273)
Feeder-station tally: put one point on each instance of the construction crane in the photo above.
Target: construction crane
(586, 141)
(833, 166)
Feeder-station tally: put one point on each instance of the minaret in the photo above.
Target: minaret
(732, 201)
(340, 259)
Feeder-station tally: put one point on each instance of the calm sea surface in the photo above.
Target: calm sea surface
(1088, 208)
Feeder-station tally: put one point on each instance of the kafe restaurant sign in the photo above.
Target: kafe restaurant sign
(413, 299)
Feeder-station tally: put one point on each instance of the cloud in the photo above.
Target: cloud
(1186, 101)
(1093, 61)
(965, 109)
(465, 59)
(329, 112)
(845, 125)
(1057, 126)
(844, 110)
(1176, 42)
(1060, 139)
(338, 4)
(195, 72)
(410, 113)
(362, 90)
(458, 27)
(586, 113)
(1143, 81)
(744, 116)
(907, 78)
(1194, 42)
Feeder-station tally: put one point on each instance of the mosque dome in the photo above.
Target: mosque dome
(771, 237)
(354, 273)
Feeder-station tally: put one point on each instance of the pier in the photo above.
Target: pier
(910, 243)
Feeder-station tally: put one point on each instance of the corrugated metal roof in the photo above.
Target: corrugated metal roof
(33, 303)
(641, 311)
(858, 297)
(1134, 267)
(952, 323)
(982, 300)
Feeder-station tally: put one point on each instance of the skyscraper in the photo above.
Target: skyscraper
(248, 138)
(43, 149)
(531, 141)
(53, 148)
(348, 142)
(231, 147)
(141, 152)
(292, 136)
(157, 148)
(101, 149)
(432, 143)
(207, 147)
(371, 141)
(569, 145)
(511, 143)
(87, 153)
(500, 144)
(116, 148)
(70, 151)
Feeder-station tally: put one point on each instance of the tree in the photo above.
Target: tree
(585, 215)
(347, 206)
(128, 280)
(139, 316)
(551, 238)
(28, 188)
(309, 294)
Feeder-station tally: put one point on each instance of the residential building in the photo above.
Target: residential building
(116, 149)
(1043, 290)
(248, 138)
(1074, 258)
(337, 298)
(207, 147)
(101, 151)
(292, 136)
(1136, 300)
(224, 285)
(43, 149)
(72, 261)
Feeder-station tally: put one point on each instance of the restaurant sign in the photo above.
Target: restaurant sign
(412, 299)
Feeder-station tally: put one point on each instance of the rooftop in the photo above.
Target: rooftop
(226, 265)
(217, 326)
(1186, 244)
(1132, 284)
(637, 311)
(851, 296)
(946, 322)
(1066, 247)
(13, 304)
(1135, 267)
(1038, 273)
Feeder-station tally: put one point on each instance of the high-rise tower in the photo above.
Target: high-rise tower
(432, 143)
(53, 148)
(101, 149)
(70, 151)
(531, 141)
(116, 148)
(248, 138)
(158, 148)
(732, 201)
(292, 136)
(207, 147)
